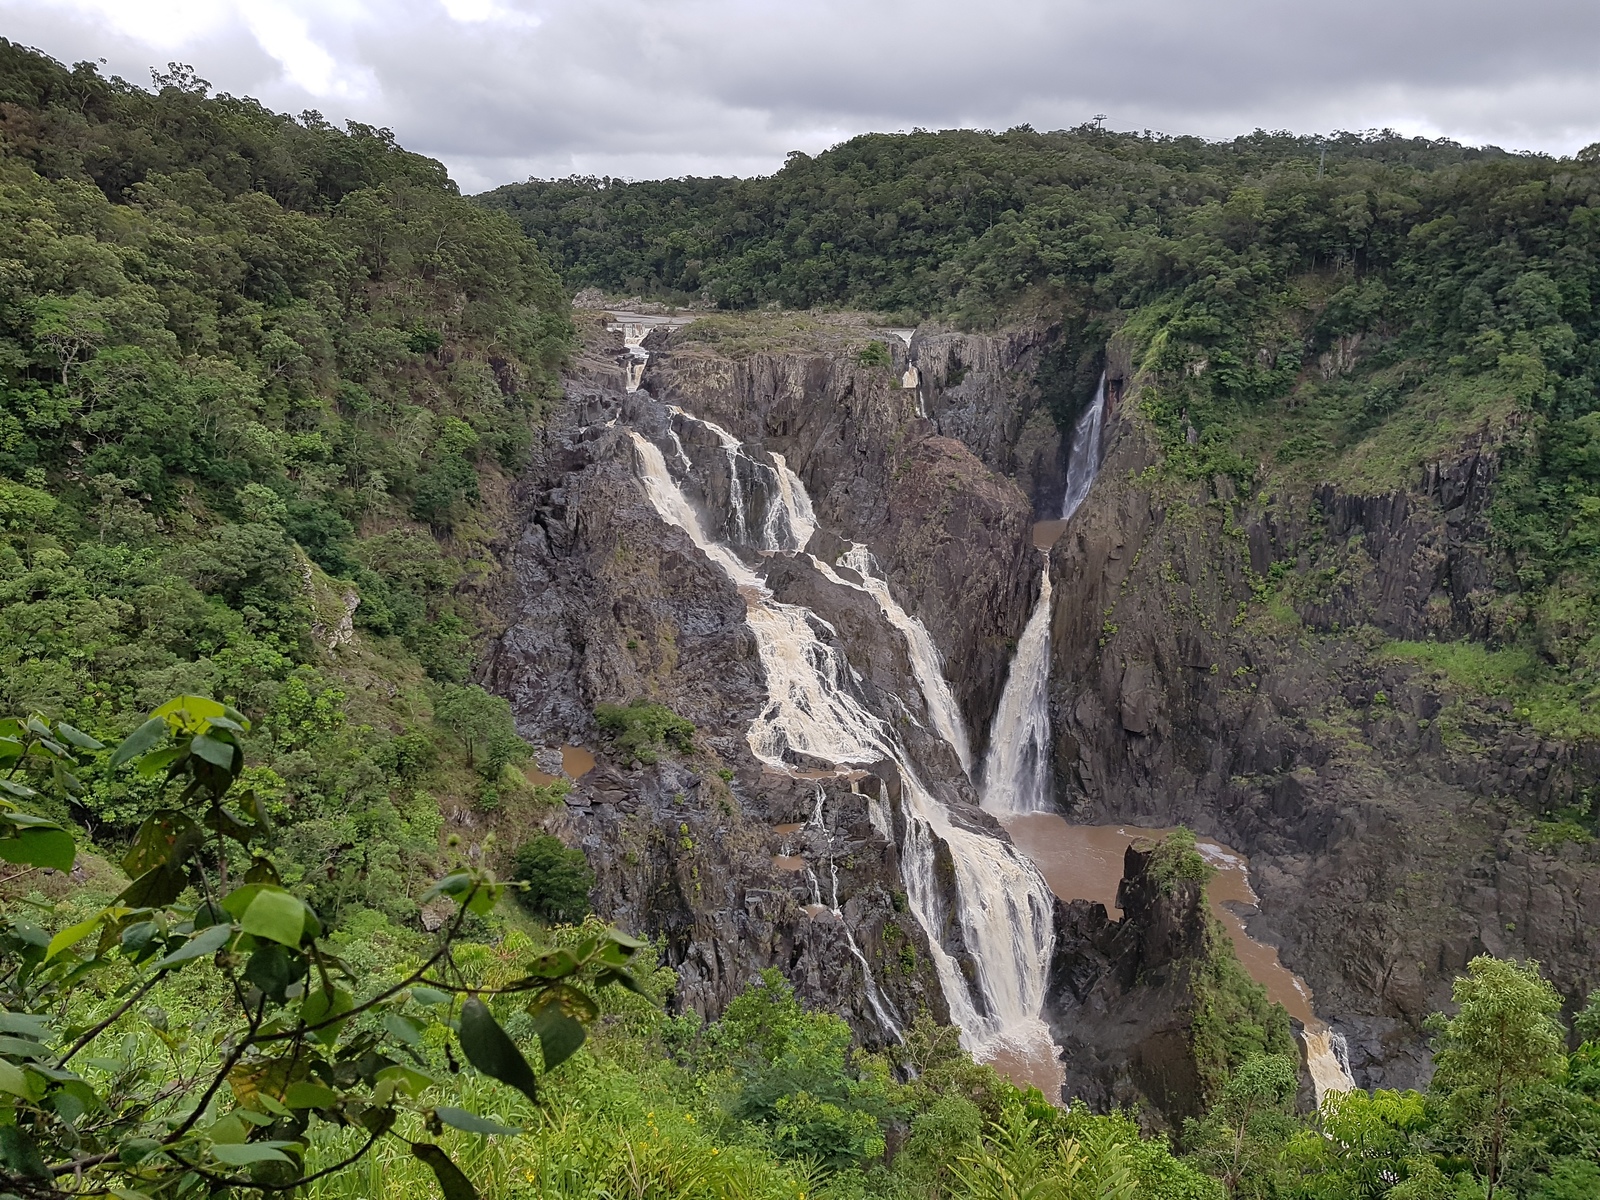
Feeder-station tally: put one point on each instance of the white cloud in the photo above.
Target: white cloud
(501, 89)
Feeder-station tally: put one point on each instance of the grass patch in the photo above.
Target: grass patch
(1551, 701)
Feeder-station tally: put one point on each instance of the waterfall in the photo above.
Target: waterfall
(633, 334)
(875, 1000)
(1016, 771)
(926, 664)
(1327, 1059)
(1003, 907)
(1083, 459)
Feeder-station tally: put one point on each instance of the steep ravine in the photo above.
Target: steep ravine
(625, 589)
(1385, 817)
(1385, 847)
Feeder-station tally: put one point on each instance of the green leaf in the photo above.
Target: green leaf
(27, 1024)
(78, 738)
(207, 941)
(134, 1151)
(272, 969)
(166, 837)
(276, 915)
(252, 1152)
(428, 995)
(454, 884)
(190, 712)
(213, 750)
(468, 1122)
(556, 1021)
(320, 1006)
(40, 846)
(136, 938)
(404, 1028)
(141, 739)
(489, 1049)
(20, 1047)
(452, 1182)
(310, 1095)
(20, 1156)
(14, 1080)
(158, 886)
(557, 964)
(407, 1079)
(71, 936)
(20, 790)
(621, 978)
(157, 761)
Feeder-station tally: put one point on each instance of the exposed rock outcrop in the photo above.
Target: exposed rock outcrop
(1221, 662)
(1122, 996)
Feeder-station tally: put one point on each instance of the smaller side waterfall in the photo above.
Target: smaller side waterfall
(1083, 459)
(875, 1000)
(1016, 771)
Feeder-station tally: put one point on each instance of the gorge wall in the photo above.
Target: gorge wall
(1218, 660)
(738, 865)
(1221, 661)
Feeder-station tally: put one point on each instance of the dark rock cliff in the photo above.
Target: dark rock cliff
(937, 511)
(1222, 662)
(1122, 997)
(736, 866)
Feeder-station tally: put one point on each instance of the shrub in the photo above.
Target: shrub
(558, 879)
(1175, 859)
(875, 354)
(641, 729)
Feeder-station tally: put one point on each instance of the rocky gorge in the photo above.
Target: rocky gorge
(1385, 816)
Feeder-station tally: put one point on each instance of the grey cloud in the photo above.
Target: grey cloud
(644, 88)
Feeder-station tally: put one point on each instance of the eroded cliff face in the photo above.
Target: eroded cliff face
(1122, 997)
(1386, 818)
(930, 495)
(738, 866)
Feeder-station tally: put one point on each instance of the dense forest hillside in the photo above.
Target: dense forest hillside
(266, 382)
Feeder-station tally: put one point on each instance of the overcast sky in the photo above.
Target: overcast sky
(504, 89)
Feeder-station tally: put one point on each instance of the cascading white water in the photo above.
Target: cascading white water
(1083, 459)
(1003, 906)
(926, 662)
(875, 1000)
(1016, 770)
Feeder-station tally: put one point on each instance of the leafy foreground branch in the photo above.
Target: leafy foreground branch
(298, 1036)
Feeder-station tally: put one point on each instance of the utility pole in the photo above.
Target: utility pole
(1099, 122)
(1322, 162)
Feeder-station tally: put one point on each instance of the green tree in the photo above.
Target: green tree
(556, 880)
(483, 724)
(1240, 1138)
(1360, 1146)
(1495, 1059)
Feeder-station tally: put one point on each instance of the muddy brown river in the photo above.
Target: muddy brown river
(1084, 862)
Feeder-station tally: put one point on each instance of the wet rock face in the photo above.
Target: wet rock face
(950, 532)
(1120, 1002)
(1385, 818)
(735, 866)
(980, 390)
